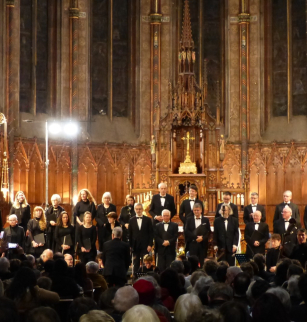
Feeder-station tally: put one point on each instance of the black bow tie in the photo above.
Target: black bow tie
(287, 203)
(162, 197)
(139, 217)
(198, 218)
(225, 219)
(191, 199)
(165, 223)
(286, 220)
(256, 223)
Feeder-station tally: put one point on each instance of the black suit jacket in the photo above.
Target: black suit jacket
(248, 210)
(171, 235)
(185, 210)
(233, 207)
(263, 228)
(226, 239)
(156, 208)
(140, 239)
(126, 214)
(295, 212)
(101, 214)
(116, 258)
(191, 233)
(289, 238)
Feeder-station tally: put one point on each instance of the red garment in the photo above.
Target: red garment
(167, 300)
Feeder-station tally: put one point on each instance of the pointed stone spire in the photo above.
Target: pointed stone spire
(186, 35)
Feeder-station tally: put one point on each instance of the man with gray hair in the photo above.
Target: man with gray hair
(252, 208)
(125, 298)
(116, 259)
(287, 196)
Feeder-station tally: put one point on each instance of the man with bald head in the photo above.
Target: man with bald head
(287, 196)
(161, 201)
(256, 234)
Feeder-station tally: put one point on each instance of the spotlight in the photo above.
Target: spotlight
(71, 128)
(54, 128)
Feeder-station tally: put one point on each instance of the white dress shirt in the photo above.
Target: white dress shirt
(197, 221)
(257, 225)
(287, 224)
(165, 225)
(139, 221)
(254, 207)
(192, 202)
(162, 198)
(226, 223)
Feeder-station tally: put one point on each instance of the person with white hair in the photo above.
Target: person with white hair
(125, 298)
(101, 216)
(140, 313)
(52, 214)
(161, 201)
(14, 234)
(188, 307)
(287, 196)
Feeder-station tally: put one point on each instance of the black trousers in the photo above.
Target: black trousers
(199, 250)
(164, 260)
(229, 258)
(88, 257)
(115, 281)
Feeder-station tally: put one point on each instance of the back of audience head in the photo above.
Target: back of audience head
(45, 283)
(232, 271)
(232, 311)
(220, 291)
(268, 308)
(140, 313)
(248, 269)
(58, 255)
(259, 288)
(92, 267)
(187, 267)
(281, 271)
(169, 280)
(302, 285)
(188, 307)
(48, 267)
(146, 291)
(8, 310)
(80, 306)
(182, 257)
(31, 259)
(241, 283)
(196, 275)
(177, 266)
(15, 265)
(294, 270)
(47, 255)
(292, 287)
(106, 300)
(96, 316)
(125, 298)
(210, 267)
(43, 314)
(4, 265)
(259, 259)
(203, 281)
(283, 296)
(154, 283)
(221, 273)
(223, 263)
(194, 263)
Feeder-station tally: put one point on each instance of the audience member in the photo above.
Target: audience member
(140, 313)
(221, 273)
(240, 286)
(188, 308)
(81, 278)
(43, 314)
(233, 311)
(45, 283)
(282, 295)
(80, 306)
(210, 267)
(106, 300)
(8, 310)
(259, 259)
(98, 280)
(294, 291)
(5, 272)
(69, 260)
(96, 316)
(219, 293)
(299, 312)
(232, 271)
(125, 298)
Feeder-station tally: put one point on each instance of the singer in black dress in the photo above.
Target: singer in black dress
(86, 202)
(64, 228)
(101, 216)
(52, 215)
(36, 226)
(87, 239)
(110, 225)
(21, 209)
(126, 213)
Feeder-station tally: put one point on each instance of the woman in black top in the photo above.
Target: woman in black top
(109, 226)
(101, 216)
(21, 209)
(64, 228)
(52, 215)
(36, 226)
(87, 239)
(86, 202)
(126, 213)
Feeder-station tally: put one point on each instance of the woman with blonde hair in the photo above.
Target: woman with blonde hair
(37, 227)
(140, 313)
(101, 218)
(86, 202)
(21, 209)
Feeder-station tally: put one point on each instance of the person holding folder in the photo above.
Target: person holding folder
(256, 235)
(64, 235)
(87, 239)
(37, 229)
(197, 230)
(166, 234)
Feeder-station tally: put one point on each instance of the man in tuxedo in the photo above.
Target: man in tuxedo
(197, 230)
(186, 207)
(160, 202)
(226, 234)
(252, 208)
(166, 234)
(140, 235)
(287, 228)
(299, 252)
(256, 235)
(14, 234)
(116, 259)
(226, 199)
(287, 196)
